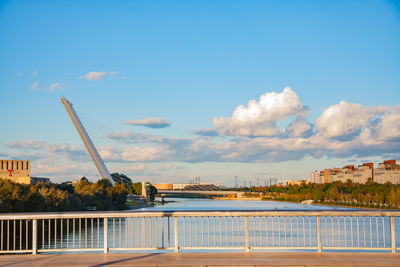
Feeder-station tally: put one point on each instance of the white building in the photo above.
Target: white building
(388, 171)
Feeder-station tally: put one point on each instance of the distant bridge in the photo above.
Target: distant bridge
(192, 192)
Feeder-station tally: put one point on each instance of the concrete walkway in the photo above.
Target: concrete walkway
(204, 259)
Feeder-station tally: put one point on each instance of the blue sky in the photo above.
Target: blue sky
(189, 62)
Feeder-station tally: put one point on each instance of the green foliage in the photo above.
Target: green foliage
(348, 194)
(153, 192)
(122, 179)
(135, 189)
(82, 195)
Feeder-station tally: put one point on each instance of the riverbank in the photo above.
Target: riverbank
(288, 201)
(349, 195)
(329, 204)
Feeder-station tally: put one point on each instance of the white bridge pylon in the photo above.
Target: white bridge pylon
(101, 167)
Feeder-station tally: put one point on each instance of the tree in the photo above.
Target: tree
(136, 188)
(105, 183)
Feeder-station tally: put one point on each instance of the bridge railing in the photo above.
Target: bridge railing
(200, 230)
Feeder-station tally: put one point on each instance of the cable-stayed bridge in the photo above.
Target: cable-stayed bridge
(118, 152)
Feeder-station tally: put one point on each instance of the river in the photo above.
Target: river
(224, 231)
(184, 204)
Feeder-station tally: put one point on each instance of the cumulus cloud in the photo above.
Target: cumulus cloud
(342, 130)
(299, 128)
(387, 126)
(259, 118)
(97, 75)
(149, 122)
(35, 74)
(345, 119)
(56, 86)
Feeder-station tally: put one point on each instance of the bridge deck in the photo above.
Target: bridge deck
(177, 192)
(204, 259)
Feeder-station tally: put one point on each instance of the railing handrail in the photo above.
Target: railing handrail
(250, 213)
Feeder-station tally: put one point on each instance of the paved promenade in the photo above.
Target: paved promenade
(204, 259)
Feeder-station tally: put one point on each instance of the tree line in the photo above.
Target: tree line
(80, 195)
(371, 195)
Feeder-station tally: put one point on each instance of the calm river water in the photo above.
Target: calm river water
(213, 232)
(182, 204)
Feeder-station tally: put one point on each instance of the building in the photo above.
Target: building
(363, 173)
(18, 171)
(184, 186)
(346, 174)
(163, 186)
(388, 171)
(297, 182)
(330, 175)
(36, 180)
(314, 177)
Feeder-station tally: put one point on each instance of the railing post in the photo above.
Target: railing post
(34, 236)
(176, 235)
(246, 229)
(319, 244)
(393, 234)
(105, 227)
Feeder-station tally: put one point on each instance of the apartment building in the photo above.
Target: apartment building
(388, 171)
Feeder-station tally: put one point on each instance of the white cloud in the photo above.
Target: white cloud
(35, 86)
(121, 136)
(49, 168)
(66, 150)
(149, 122)
(149, 153)
(299, 128)
(259, 118)
(345, 119)
(56, 86)
(97, 75)
(51, 88)
(342, 130)
(35, 74)
(387, 127)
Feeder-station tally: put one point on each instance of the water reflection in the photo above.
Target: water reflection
(197, 232)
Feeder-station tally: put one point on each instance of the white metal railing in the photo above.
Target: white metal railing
(200, 230)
